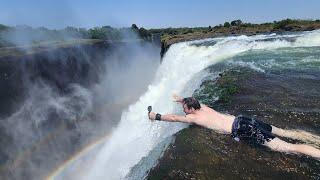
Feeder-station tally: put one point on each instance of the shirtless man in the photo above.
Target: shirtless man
(241, 128)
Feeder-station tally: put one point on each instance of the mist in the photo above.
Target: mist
(69, 98)
(127, 75)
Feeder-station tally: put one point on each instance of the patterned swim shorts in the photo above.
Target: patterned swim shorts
(251, 130)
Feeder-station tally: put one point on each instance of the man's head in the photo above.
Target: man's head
(190, 105)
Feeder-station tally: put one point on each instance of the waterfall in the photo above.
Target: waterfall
(180, 72)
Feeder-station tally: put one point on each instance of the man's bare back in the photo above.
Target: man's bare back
(212, 119)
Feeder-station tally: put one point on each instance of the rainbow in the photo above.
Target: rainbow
(80, 154)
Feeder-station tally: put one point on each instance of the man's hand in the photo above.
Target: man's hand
(177, 98)
(152, 116)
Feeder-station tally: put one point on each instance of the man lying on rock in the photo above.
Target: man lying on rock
(241, 128)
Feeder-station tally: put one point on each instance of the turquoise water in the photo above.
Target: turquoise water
(299, 58)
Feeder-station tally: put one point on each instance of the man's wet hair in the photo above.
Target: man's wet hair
(191, 102)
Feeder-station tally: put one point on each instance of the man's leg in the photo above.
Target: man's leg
(297, 134)
(277, 144)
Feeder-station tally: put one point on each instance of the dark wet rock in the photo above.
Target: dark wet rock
(281, 99)
(57, 67)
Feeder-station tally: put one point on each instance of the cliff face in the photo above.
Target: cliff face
(55, 66)
(55, 101)
(31, 83)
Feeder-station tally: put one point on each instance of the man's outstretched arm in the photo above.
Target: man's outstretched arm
(171, 118)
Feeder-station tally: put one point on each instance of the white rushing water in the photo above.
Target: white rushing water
(180, 72)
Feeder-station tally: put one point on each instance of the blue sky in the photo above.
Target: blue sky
(151, 13)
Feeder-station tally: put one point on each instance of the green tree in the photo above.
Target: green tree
(134, 27)
(97, 33)
(144, 33)
(3, 27)
(226, 24)
(107, 27)
(236, 22)
(283, 23)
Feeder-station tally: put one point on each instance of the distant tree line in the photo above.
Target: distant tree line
(115, 34)
(280, 25)
(41, 34)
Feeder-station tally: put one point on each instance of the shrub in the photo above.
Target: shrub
(226, 24)
(236, 22)
(283, 23)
